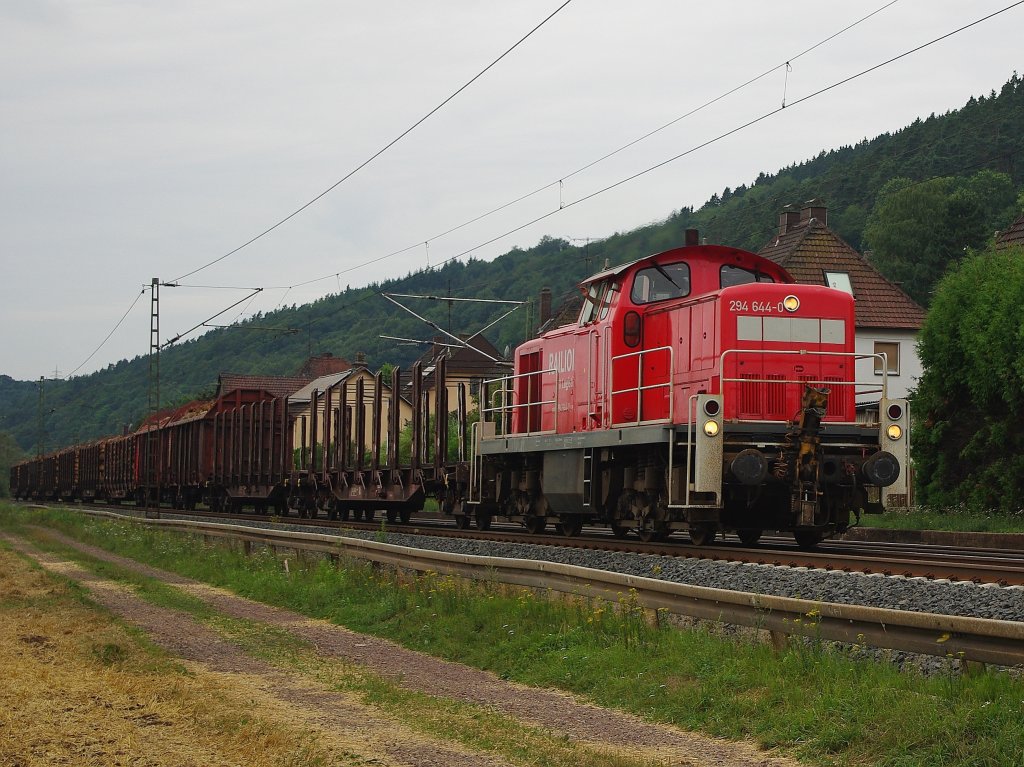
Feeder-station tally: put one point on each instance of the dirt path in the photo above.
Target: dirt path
(564, 715)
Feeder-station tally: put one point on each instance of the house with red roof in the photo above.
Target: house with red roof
(888, 320)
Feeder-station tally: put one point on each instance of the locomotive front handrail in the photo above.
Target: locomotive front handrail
(640, 388)
(860, 388)
(881, 356)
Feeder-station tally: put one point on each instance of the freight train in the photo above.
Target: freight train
(699, 390)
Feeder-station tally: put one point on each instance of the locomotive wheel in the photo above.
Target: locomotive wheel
(702, 536)
(462, 522)
(749, 536)
(807, 539)
(405, 515)
(483, 521)
(535, 525)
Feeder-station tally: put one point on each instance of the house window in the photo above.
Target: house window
(891, 350)
(839, 281)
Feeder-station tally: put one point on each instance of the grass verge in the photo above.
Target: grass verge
(824, 705)
(955, 520)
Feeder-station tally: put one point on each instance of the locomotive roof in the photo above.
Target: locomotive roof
(715, 252)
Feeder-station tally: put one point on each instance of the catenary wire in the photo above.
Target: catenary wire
(665, 162)
(593, 163)
(381, 151)
(698, 147)
(732, 132)
(104, 341)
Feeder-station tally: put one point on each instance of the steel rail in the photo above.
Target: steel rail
(972, 639)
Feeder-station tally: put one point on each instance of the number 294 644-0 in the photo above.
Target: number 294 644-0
(757, 307)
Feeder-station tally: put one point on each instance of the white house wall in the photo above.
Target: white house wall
(909, 367)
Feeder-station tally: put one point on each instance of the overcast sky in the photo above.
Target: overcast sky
(145, 139)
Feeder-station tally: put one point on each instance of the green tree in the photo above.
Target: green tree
(918, 229)
(968, 444)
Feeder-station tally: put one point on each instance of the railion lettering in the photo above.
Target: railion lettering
(562, 361)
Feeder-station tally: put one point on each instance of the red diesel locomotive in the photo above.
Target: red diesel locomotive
(699, 390)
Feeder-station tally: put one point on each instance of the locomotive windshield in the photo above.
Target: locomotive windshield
(660, 283)
(737, 275)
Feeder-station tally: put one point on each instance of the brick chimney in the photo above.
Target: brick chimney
(814, 210)
(788, 219)
(545, 305)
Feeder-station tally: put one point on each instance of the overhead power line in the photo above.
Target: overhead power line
(593, 163)
(733, 131)
(379, 152)
(692, 150)
(104, 341)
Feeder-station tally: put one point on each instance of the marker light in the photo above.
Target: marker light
(711, 428)
(791, 303)
(894, 432)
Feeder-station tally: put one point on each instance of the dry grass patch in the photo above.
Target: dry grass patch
(81, 689)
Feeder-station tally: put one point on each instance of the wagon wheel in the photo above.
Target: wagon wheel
(405, 515)
(343, 513)
(749, 536)
(483, 521)
(570, 526)
(535, 525)
(659, 532)
(619, 531)
(392, 515)
(462, 521)
(332, 512)
(702, 536)
(368, 515)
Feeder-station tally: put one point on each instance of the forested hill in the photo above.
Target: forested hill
(969, 160)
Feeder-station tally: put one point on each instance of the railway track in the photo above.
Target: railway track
(1000, 567)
